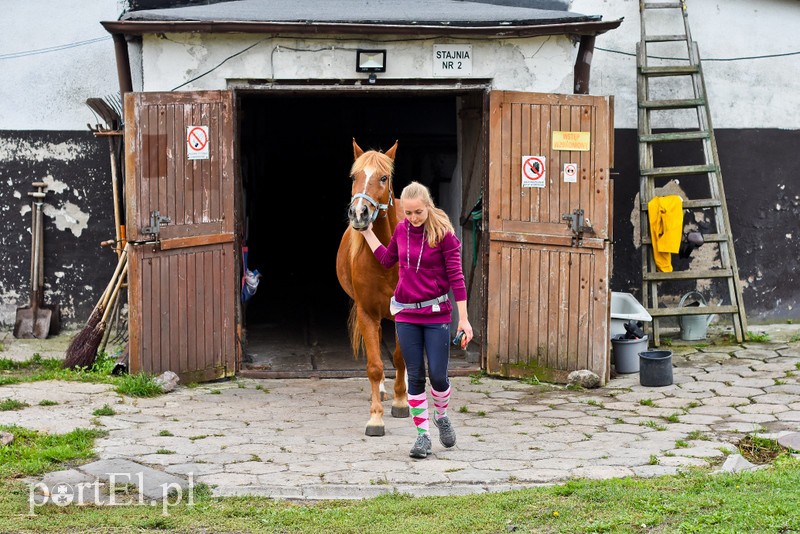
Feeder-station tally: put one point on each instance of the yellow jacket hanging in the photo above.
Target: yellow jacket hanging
(666, 229)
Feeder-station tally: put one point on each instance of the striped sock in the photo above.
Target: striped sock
(419, 411)
(441, 400)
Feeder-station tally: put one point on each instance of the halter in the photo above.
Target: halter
(377, 207)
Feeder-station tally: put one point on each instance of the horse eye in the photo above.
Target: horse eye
(353, 177)
(383, 179)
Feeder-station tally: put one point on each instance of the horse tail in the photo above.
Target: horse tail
(356, 339)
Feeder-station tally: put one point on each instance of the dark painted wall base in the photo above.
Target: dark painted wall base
(759, 169)
(76, 268)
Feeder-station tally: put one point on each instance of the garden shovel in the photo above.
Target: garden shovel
(33, 320)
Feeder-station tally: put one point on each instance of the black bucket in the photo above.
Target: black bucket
(655, 368)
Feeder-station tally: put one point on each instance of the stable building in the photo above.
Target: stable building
(238, 121)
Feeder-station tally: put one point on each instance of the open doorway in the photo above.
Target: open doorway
(295, 153)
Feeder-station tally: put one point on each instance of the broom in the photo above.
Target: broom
(74, 356)
(86, 352)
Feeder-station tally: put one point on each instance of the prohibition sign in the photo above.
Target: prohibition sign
(533, 171)
(197, 142)
(571, 172)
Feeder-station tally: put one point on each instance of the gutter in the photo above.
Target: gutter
(137, 27)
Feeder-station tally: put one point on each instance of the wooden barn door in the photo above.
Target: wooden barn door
(548, 292)
(180, 221)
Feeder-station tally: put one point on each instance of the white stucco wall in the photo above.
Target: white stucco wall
(541, 64)
(46, 90)
(753, 93)
(750, 93)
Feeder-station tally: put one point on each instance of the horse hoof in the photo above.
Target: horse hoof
(398, 411)
(375, 430)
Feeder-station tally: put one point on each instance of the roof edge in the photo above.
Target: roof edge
(131, 27)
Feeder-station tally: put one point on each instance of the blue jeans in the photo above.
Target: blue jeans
(417, 339)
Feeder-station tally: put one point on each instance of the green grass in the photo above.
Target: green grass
(697, 435)
(646, 402)
(531, 380)
(33, 453)
(763, 501)
(653, 425)
(165, 433)
(693, 502)
(463, 409)
(8, 405)
(673, 418)
(165, 451)
(681, 444)
(794, 338)
(37, 369)
(138, 385)
(758, 337)
(105, 410)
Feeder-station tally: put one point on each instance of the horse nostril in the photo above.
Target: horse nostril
(364, 211)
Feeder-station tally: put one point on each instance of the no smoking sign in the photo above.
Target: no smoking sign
(534, 171)
(571, 172)
(197, 142)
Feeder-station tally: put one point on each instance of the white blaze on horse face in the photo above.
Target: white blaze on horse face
(368, 172)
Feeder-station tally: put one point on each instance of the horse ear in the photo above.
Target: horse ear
(356, 150)
(391, 152)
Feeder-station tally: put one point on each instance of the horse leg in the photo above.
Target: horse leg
(369, 331)
(382, 388)
(400, 402)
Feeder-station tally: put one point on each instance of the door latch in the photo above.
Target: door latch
(156, 220)
(579, 225)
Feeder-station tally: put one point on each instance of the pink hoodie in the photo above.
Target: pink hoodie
(439, 272)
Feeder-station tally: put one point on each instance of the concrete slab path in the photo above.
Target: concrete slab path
(304, 438)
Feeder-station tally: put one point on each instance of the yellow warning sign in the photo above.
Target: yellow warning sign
(578, 141)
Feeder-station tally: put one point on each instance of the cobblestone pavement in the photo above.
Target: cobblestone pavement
(305, 438)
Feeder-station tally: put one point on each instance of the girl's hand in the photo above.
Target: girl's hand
(366, 229)
(464, 326)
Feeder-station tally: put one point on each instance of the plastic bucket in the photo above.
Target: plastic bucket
(626, 354)
(694, 327)
(655, 368)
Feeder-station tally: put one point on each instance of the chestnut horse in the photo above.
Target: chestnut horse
(366, 281)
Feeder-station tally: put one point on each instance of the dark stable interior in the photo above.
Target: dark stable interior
(295, 153)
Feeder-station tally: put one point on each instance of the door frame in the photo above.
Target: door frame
(481, 87)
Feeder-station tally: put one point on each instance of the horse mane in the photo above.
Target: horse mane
(357, 244)
(372, 158)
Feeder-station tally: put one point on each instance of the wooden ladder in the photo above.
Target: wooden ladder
(657, 124)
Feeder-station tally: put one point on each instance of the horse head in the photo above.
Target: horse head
(372, 192)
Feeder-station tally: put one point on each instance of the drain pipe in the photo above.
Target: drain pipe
(583, 65)
(123, 65)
